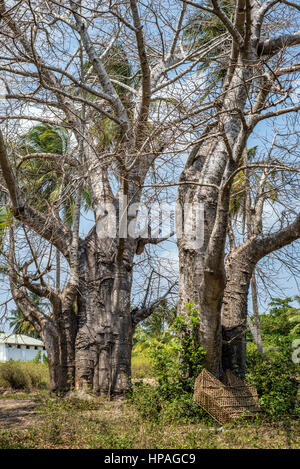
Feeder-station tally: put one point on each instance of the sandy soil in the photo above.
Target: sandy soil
(17, 412)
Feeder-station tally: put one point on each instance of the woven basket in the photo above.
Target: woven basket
(225, 400)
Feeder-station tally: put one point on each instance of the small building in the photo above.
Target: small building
(19, 347)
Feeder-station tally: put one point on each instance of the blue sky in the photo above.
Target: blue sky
(285, 281)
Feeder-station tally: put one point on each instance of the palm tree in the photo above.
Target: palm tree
(5, 220)
(19, 324)
(239, 194)
(203, 28)
(155, 327)
(47, 182)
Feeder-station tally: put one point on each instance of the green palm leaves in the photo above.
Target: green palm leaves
(120, 71)
(5, 219)
(19, 324)
(46, 180)
(45, 138)
(238, 190)
(203, 28)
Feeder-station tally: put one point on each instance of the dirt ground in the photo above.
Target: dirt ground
(114, 424)
(17, 412)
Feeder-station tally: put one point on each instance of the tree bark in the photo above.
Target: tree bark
(105, 328)
(255, 328)
(60, 380)
(201, 270)
(240, 265)
(234, 311)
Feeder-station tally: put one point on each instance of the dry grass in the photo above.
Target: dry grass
(23, 376)
(45, 422)
(140, 367)
(116, 425)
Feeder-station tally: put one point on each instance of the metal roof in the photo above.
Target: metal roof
(19, 339)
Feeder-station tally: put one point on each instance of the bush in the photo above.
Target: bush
(13, 377)
(176, 360)
(183, 409)
(147, 401)
(274, 375)
(23, 376)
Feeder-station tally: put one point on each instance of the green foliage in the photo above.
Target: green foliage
(176, 360)
(38, 357)
(238, 190)
(112, 425)
(147, 401)
(140, 366)
(154, 327)
(274, 374)
(5, 219)
(19, 324)
(191, 353)
(45, 138)
(204, 27)
(280, 320)
(179, 360)
(42, 178)
(119, 68)
(23, 376)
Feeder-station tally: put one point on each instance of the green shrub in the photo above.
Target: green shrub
(182, 409)
(23, 376)
(12, 376)
(274, 375)
(147, 401)
(176, 359)
(38, 373)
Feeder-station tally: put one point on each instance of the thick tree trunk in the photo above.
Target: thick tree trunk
(105, 329)
(234, 310)
(66, 326)
(58, 335)
(240, 265)
(208, 305)
(255, 328)
(202, 280)
(57, 372)
(197, 283)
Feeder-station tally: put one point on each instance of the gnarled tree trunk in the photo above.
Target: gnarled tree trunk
(194, 285)
(240, 265)
(105, 328)
(59, 362)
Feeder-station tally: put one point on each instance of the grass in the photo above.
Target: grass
(107, 424)
(23, 376)
(29, 376)
(140, 367)
(120, 424)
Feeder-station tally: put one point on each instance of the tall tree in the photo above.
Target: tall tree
(256, 87)
(77, 88)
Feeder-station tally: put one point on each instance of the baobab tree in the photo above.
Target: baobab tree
(264, 187)
(56, 60)
(258, 85)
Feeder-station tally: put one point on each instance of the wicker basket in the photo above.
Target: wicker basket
(225, 400)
